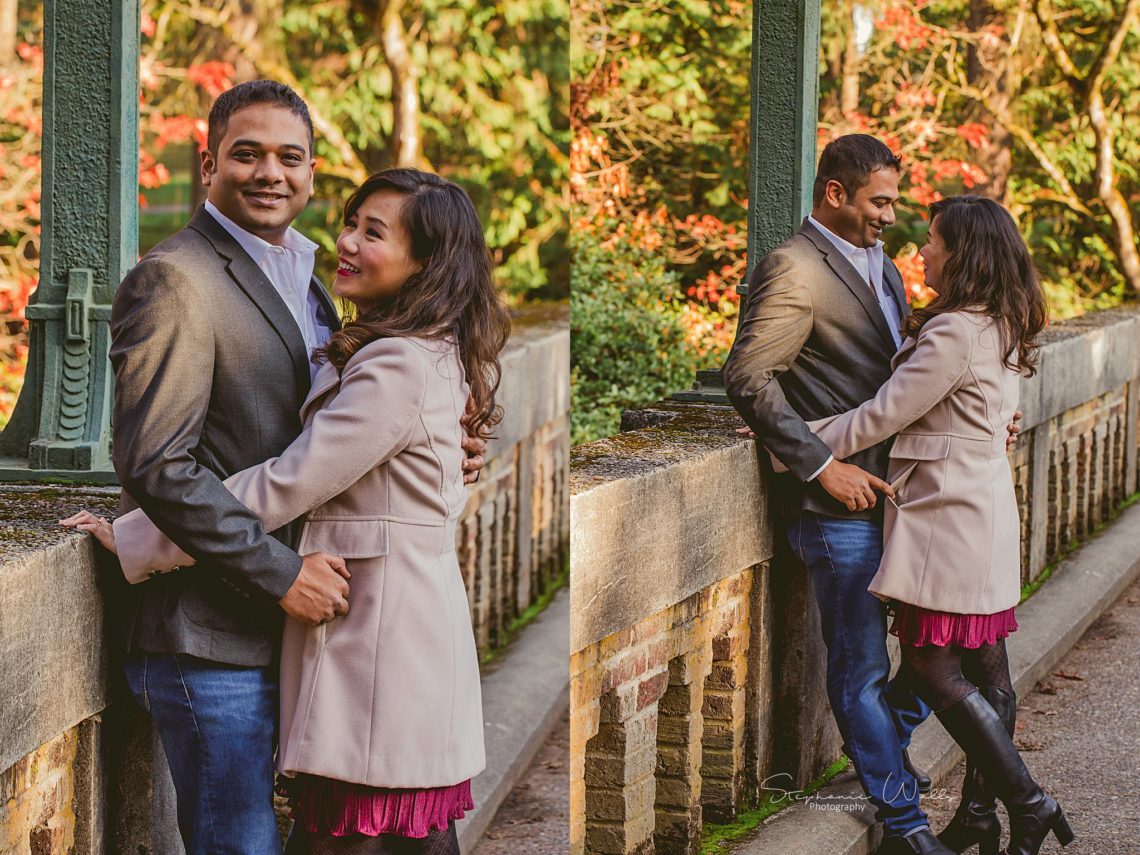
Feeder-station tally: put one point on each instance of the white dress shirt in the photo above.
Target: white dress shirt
(289, 269)
(868, 263)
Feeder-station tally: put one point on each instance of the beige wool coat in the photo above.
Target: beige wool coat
(951, 537)
(387, 695)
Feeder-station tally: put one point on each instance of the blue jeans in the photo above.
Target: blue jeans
(875, 717)
(218, 729)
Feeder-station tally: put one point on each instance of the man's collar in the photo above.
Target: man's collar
(844, 246)
(255, 246)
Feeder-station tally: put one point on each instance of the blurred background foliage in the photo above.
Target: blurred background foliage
(476, 91)
(1026, 101)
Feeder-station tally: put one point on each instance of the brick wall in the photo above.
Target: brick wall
(45, 811)
(658, 730)
(698, 668)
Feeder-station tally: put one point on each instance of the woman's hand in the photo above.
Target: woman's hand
(98, 526)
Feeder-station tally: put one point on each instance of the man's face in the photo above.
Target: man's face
(860, 218)
(261, 176)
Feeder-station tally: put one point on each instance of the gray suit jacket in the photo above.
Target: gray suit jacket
(813, 342)
(210, 374)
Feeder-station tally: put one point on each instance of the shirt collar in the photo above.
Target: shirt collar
(257, 247)
(844, 246)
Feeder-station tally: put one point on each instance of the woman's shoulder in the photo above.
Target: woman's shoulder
(403, 347)
(942, 326)
(395, 355)
(409, 355)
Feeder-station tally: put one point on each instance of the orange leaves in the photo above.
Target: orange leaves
(594, 179)
(912, 268)
(970, 174)
(154, 176)
(31, 54)
(915, 97)
(213, 76)
(906, 27)
(168, 129)
(974, 133)
(716, 286)
(149, 74)
(15, 293)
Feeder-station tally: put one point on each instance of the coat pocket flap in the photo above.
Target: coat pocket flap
(351, 538)
(919, 446)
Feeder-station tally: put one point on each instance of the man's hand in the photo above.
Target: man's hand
(1014, 429)
(475, 447)
(852, 486)
(98, 526)
(320, 591)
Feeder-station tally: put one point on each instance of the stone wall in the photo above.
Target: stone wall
(697, 669)
(78, 772)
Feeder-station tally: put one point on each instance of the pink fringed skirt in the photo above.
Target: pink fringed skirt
(325, 806)
(918, 627)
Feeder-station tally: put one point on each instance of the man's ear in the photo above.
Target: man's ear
(208, 167)
(835, 194)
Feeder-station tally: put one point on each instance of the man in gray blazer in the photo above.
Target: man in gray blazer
(822, 323)
(211, 335)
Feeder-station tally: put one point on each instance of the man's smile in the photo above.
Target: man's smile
(265, 198)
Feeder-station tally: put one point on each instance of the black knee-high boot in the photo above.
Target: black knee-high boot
(976, 822)
(1032, 814)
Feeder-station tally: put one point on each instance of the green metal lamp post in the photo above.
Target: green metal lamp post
(60, 429)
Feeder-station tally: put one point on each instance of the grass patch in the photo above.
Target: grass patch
(1030, 589)
(526, 618)
(718, 839)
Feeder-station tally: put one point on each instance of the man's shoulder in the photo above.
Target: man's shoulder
(796, 261)
(797, 249)
(185, 244)
(186, 253)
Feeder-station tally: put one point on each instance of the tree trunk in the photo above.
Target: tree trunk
(1107, 181)
(9, 30)
(987, 70)
(255, 28)
(852, 62)
(407, 140)
(1109, 193)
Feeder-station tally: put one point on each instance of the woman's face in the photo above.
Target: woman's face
(934, 256)
(375, 252)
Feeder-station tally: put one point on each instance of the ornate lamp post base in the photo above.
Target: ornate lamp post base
(61, 427)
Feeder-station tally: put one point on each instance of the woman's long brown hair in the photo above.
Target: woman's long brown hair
(452, 296)
(987, 264)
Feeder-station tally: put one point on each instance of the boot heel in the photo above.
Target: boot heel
(989, 846)
(1062, 830)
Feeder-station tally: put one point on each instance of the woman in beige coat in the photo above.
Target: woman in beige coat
(951, 553)
(381, 719)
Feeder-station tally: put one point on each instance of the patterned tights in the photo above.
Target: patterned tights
(443, 842)
(942, 676)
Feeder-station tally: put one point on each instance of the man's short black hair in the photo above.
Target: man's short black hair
(850, 160)
(246, 95)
